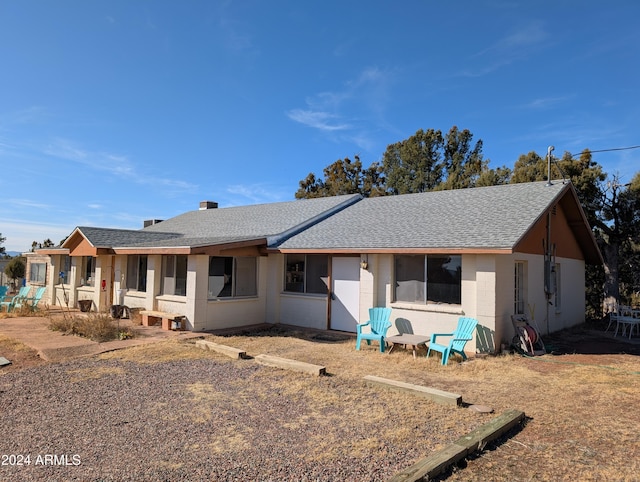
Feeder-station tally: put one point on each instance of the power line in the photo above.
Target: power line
(609, 150)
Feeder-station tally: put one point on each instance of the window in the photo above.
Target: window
(519, 296)
(174, 279)
(428, 279)
(65, 266)
(89, 271)
(137, 272)
(38, 273)
(307, 273)
(232, 277)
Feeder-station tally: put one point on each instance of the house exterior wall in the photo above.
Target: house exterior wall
(488, 294)
(368, 293)
(545, 316)
(31, 259)
(571, 311)
(488, 289)
(274, 274)
(309, 311)
(76, 291)
(60, 293)
(416, 318)
(231, 312)
(298, 309)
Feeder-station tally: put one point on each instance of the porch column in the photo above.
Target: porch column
(486, 284)
(51, 281)
(104, 273)
(75, 275)
(197, 292)
(368, 298)
(154, 280)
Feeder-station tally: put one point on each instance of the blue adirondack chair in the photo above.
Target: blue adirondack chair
(30, 301)
(23, 293)
(458, 339)
(378, 325)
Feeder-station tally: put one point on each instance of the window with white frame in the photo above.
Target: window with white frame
(88, 271)
(137, 272)
(520, 291)
(434, 278)
(307, 273)
(174, 277)
(38, 273)
(231, 277)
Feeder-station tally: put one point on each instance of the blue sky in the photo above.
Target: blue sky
(112, 112)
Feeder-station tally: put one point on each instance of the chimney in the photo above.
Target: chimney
(204, 205)
(151, 222)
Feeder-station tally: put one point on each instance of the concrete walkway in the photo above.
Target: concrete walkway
(51, 345)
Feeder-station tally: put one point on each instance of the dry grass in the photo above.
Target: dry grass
(93, 373)
(11, 344)
(26, 310)
(583, 412)
(166, 351)
(98, 327)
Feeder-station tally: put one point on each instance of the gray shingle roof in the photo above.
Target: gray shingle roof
(223, 225)
(493, 217)
(487, 218)
(106, 237)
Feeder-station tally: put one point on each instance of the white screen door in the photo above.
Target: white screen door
(345, 287)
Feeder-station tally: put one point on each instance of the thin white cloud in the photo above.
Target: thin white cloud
(347, 114)
(512, 47)
(546, 102)
(255, 193)
(117, 165)
(522, 38)
(30, 115)
(20, 235)
(316, 119)
(27, 203)
(94, 206)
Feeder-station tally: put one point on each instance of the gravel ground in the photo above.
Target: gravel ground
(114, 420)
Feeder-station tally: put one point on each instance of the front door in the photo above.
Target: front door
(345, 289)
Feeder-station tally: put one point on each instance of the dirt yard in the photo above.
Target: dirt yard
(582, 405)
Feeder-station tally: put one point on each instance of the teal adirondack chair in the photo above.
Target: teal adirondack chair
(378, 325)
(23, 293)
(458, 339)
(3, 292)
(31, 301)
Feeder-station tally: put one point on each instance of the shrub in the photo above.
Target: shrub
(97, 327)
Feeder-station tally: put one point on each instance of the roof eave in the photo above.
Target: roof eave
(403, 250)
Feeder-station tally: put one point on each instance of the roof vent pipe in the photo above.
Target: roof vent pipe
(204, 205)
(549, 151)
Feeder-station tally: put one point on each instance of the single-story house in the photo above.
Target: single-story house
(432, 257)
